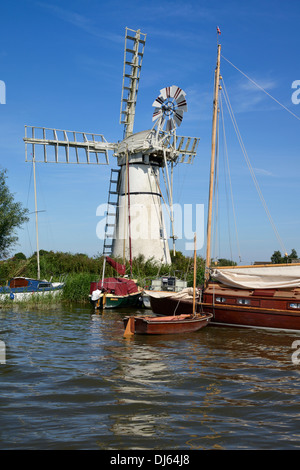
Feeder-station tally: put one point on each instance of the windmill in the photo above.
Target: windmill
(134, 217)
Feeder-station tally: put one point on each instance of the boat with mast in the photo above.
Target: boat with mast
(115, 292)
(21, 288)
(169, 324)
(244, 296)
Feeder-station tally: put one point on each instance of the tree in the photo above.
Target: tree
(292, 255)
(226, 262)
(12, 216)
(19, 256)
(276, 257)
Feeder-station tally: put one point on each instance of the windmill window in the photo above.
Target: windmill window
(294, 305)
(243, 301)
(220, 299)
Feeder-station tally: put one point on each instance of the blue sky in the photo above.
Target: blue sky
(62, 64)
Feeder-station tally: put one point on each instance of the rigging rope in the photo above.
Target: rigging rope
(227, 101)
(230, 184)
(261, 88)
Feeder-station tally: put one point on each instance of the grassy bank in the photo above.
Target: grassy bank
(78, 270)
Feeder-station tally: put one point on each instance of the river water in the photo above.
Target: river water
(70, 380)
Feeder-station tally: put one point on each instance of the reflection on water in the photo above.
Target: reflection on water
(72, 381)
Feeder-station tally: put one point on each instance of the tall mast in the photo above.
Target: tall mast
(195, 273)
(36, 220)
(212, 163)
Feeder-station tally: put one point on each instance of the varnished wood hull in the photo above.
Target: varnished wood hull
(176, 324)
(234, 315)
(263, 308)
(169, 306)
(251, 317)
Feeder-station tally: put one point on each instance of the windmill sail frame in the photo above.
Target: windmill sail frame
(95, 146)
(133, 57)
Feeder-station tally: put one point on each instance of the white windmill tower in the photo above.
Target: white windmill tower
(134, 219)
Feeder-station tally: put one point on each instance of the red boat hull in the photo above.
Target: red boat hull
(249, 317)
(262, 308)
(175, 324)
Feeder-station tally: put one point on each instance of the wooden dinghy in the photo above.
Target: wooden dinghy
(169, 325)
(175, 324)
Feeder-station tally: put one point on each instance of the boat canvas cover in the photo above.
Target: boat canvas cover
(184, 294)
(270, 277)
(120, 268)
(115, 285)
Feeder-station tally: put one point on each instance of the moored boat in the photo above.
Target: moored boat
(173, 303)
(165, 284)
(248, 296)
(255, 296)
(170, 324)
(244, 296)
(21, 288)
(115, 292)
(256, 307)
(175, 324)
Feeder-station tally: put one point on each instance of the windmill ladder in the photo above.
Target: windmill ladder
(111, 213)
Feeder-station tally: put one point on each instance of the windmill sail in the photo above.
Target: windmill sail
(133, 57)
(62, 146)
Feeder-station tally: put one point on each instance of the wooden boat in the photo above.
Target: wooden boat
(173, 324)
(21, 288)
(254, 308)
(271, 304)
(173, 303)
(250, 296)
(166, 325)
(115, 292)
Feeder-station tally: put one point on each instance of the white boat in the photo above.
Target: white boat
(21, 288)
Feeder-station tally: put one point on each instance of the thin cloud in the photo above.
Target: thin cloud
(80, 21)
(246, 97)
(263, 172)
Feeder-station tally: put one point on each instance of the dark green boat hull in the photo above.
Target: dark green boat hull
(108, 302)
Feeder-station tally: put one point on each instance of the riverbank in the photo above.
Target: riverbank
(78, 270)
(76, 290)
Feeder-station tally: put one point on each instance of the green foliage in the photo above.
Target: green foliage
(226, 262)
(77, 287)
(19, 256)
(12, 216)
(276, 258)
(78, 270)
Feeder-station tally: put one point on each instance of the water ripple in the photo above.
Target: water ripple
(71, 381)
